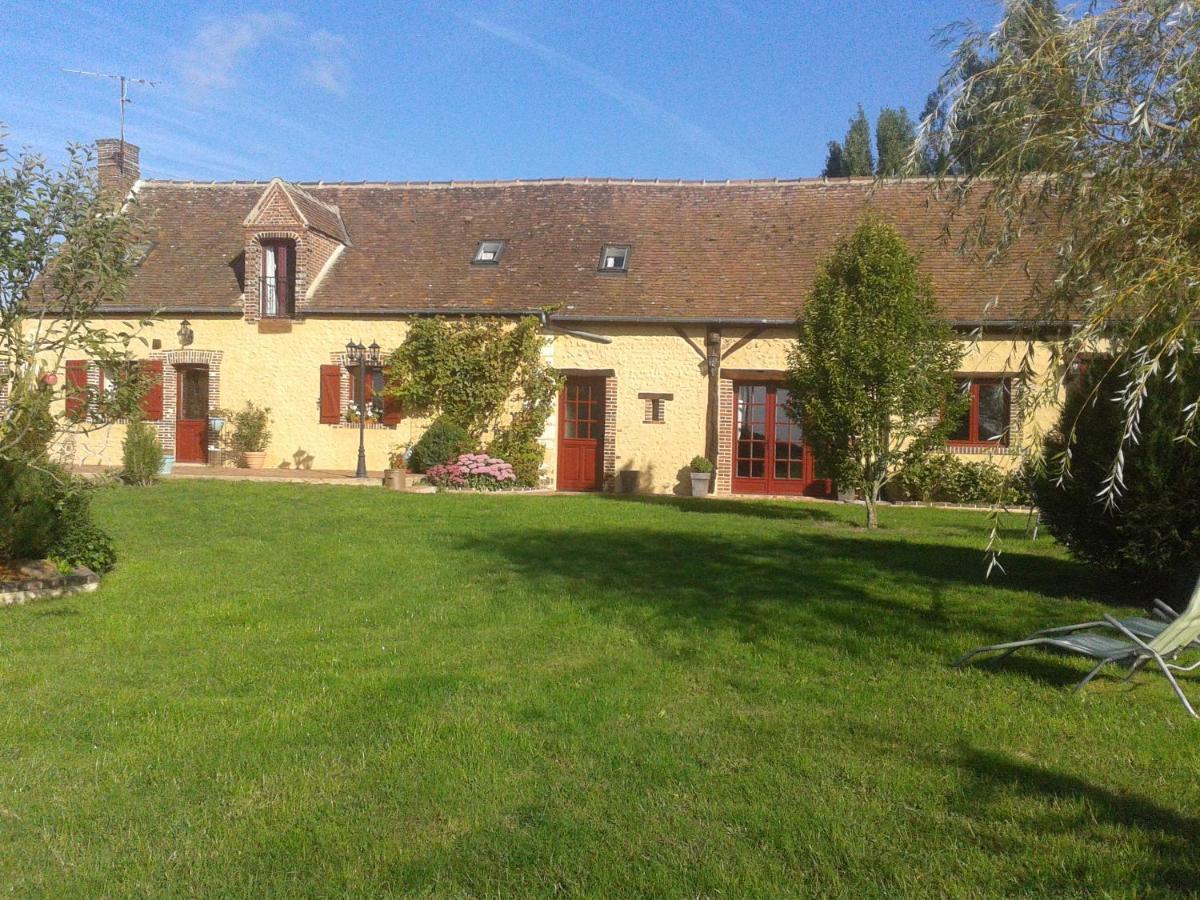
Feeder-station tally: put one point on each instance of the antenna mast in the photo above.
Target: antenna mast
(123, 81)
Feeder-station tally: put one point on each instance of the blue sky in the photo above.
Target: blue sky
(469, 90)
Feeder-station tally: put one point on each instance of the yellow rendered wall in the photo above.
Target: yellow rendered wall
(282, 371)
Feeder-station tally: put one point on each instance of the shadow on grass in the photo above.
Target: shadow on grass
(870, 595)
(759, 509)
(1172, 863)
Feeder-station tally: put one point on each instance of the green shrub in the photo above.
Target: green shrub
(442, 441)
(142, 454)
(945, 478)
(524, 452)
(45, 513)
(701, 464)
(28, 520)
(80, 541)
(252, 429)
(1152, 534)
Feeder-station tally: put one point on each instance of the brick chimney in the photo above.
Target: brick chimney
(117, 163)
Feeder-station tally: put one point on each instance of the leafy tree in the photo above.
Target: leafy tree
(1152, 532)
(976, 116)
(856, 149)
(484, 374)
(895, 137)
(872, 371)
(835, 162)
(63, 253)
(1105, 107)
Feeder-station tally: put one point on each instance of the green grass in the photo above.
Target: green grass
(293, 690)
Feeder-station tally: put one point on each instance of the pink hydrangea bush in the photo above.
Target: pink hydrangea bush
(473, 470)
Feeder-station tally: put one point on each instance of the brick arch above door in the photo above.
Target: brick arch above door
(187, 357)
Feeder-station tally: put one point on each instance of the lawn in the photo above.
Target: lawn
(297, 690)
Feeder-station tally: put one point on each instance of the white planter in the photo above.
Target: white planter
(700, 482)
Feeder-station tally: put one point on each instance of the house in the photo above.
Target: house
(668, 306)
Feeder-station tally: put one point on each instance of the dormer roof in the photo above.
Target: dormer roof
(306, 211)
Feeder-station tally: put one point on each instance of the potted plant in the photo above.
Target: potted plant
(701, 470)
(394, 475)
(251, 435)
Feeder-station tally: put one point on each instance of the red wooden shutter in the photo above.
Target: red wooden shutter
(152, 400)
(331, 395)
(76, 388)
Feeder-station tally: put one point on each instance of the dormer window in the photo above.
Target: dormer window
(278, 279)
(615, 258)
(488, 253)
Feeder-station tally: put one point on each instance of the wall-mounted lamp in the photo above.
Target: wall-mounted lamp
(186, 335)
(713, 346)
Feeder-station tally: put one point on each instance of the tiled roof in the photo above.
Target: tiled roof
(700, 251)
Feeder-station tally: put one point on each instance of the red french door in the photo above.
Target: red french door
(770, 455)
(581, 435)
(191, 414)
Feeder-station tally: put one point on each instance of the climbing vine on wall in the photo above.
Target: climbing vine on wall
(485, 374)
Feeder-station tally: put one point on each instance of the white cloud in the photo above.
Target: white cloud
(213, 58)
(700, 140)
(328, 69)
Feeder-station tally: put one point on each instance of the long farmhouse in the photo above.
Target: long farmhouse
(669, 307)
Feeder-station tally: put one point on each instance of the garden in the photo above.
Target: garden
(284, 690)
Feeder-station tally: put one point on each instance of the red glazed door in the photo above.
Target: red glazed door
(191, 416)
(581, 435)
(769, 452)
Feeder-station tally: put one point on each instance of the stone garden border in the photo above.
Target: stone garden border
(80, 580)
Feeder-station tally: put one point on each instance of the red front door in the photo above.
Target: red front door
(191, 415)
(769, 452)
(581, 435)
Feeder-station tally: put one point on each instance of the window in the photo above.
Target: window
(986, 419)
(373, 383)
(488, 253)
(614, 258)
(278, 279)
(1077, 378)
(656, 407)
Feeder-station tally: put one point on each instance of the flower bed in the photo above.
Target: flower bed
(473, 471)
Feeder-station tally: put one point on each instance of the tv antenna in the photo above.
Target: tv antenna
(124, 81)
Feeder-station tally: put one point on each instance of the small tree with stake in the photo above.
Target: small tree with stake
(872, 371)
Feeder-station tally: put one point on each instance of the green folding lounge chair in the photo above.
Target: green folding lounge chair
(1136, 651)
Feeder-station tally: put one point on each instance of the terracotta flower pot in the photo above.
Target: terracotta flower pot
(254, 459)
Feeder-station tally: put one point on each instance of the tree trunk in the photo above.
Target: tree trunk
(872, 515)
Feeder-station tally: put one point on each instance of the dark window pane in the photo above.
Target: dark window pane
(757, 467)
(962, 430)
(993, 411)
(193, 393)
(743, 468)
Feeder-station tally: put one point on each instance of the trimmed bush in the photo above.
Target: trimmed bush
(701, 465)
(1152, 535)
(142, 454)
(442, 441)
